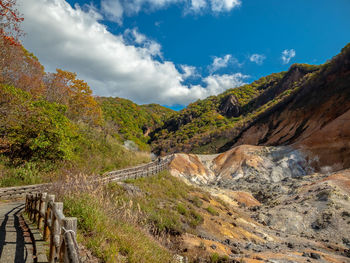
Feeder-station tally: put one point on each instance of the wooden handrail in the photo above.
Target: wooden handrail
(58, 230)
(114, 176)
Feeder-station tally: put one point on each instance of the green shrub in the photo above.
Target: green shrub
(34, 129)
(181, 209)
(216, 258)
(212, 211)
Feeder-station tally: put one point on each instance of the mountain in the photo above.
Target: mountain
(306, 107)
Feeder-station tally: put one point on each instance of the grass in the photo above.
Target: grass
(166, 205)
(95, 153)
(211, 210)
(110, 238)
(134, 221)
(24, 174)
(216, 258)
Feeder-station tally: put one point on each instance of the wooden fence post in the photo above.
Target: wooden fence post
(37, 207)
(70, 227)
(49, 198)
(32, 207)
(56, 231)
(42, 209)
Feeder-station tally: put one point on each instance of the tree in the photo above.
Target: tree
(10, 21)
(33, 129)
(63, 87)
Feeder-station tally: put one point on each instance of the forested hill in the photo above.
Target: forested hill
(219, 122)
(131, 121)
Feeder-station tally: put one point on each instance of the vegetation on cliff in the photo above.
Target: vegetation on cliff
(214, 124)
(131, 121)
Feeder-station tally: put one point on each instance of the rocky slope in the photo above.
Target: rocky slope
(306, 108)
(298, 215)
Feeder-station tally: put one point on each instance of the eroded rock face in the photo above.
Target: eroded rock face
(269, 164)
(317, 208)
(300, 215)
(190, 168)
(230, 107)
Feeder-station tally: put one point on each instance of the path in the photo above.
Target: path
(15, 239)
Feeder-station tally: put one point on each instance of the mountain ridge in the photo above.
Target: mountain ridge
(280, 111)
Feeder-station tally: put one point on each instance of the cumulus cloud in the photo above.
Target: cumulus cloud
(224, 5)
(189, 71)
(198, 5)
(287, 55)
(150, 47)
(216, 84)
(223, 62)
(126, 65)
(257, 58)
(115, 9)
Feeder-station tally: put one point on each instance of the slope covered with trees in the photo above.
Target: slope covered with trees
(131, 121)
(204, 126)
(50, 123)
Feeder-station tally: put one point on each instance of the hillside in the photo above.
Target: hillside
(51, 126)
(131, 121)
(279, 109)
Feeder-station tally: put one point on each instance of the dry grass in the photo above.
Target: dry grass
(111, 232)
(139, 220)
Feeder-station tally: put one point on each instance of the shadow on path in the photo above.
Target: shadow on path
(12, 241)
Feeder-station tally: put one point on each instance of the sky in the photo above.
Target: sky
(174, 52)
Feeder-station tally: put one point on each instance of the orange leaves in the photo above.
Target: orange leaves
(66, 89)
(10, 20)
(20, 68)
(10, 40)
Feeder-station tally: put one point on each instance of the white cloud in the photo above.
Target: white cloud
(74, 40)
(216, 84)
(198, 5)
(257, 58)
(134, 6)
(287, 55)
(223, 62)
(115, 9)
(189, 72)
(151, 47)
(224, 5)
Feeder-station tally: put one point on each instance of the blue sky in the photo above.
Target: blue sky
(195, 48)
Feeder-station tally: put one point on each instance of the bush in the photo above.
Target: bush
(34, 129)
(212, 211)
(216, 258)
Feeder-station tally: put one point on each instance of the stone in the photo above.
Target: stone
(315, 256)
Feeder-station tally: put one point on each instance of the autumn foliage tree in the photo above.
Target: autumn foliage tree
(63, 87)
(39, 111)
(10, 21)
(19, 67)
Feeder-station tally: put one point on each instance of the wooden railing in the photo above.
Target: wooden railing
(58, 230)
(145, 170)
(20, 191)
(115, 176)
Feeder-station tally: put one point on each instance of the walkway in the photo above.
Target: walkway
(15, 239)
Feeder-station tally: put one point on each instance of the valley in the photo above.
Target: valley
(257, 172)
(288, 212)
